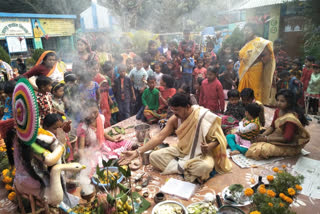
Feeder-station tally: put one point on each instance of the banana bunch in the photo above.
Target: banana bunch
(124, 207)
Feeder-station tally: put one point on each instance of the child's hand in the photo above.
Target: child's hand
(134, 98)
(67, 126)
(118, 139)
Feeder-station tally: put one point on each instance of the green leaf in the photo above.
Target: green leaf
(105, 164)
(122, 171)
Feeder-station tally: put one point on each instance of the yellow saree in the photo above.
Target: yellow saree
(263, 150)
(253, 73)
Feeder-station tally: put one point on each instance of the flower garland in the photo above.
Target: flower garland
(8, 177)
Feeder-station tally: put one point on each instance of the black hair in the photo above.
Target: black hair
(253, 109)
(186, 31)
(51, 119)
(163, 55)
(199, 80)
(48, 55)
(56, 86)
(107, 66)
(19, 60)
(292, 105)
(151, 77)
(247, 93)
(174, 53)
(137, 59)
(147, 58)
(168, 80)
(233, 93)
(185, 88)
(278, 41)
(188, 50)
(317, 63)
(122, 67)
(9, 86)
(213, 69)
(2, 85)
(69, 77)
(200, 60)
(42, 81)
(311, 59)
(157, 63)
(180, 100)
(151, 42)
(297, 62)
(170, 62)
(284, 74)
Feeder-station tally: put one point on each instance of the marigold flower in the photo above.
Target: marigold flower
(270, 178)
(5, 172)
(270, 204)
(284, 166)
(11, 196)
(7, 180)
(291, 191)
(289, 200)
(298, 187)
(271, 193)
(248, 192)
(281, 195)
(262, 190)
(281, 204)
(276, 169)
(8, 187)
(13, 173)
(255, 212)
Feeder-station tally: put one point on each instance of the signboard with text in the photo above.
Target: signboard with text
(53, 27)
(15, 27)
(16, 44)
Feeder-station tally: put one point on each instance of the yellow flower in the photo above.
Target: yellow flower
(284, 166)
(248, 192)
(262, 190)
(281, 195)
(270, 204)
(280, 171)
(276, 169)
(291, 191)
(298, 187)
(281, 204)
(7, 180)
(8, 187)
(5, 172)
(289, 200)
(271, 193)
(12, 196)
(255, 212)
(270, 178)
(13, 173)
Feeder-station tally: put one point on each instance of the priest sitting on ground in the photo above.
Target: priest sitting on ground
(201, 146)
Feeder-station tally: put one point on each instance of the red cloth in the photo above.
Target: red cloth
(37, 71)
(305, 78)
(212, 96)
(104, 98)
(289, 128)
(166, 94)
(5, 126)
(199, 72)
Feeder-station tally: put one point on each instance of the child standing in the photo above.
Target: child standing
(44, 97)
(70, 92)
(248, 129)
(296, 66)
(124, 93)
(229, 76)
(57, 102)
(146, 64)
(150, 100)
(187, 67)
(139, 78)
(2, 98)
(235, 108)
(307, 71)
(8, 90)
(211, 92)
(313, 91)
(283, 83)
(157, 73)
(200, 71)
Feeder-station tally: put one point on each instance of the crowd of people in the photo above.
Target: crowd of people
(164, 83)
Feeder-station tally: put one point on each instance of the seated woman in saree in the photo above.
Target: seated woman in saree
(286, 136)
(166, 91)
(257, 65)
(92, 135)
(201, 145)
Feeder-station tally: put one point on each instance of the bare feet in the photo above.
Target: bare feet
(235, 152)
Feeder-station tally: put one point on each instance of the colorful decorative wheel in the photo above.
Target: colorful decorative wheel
(25, 111)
